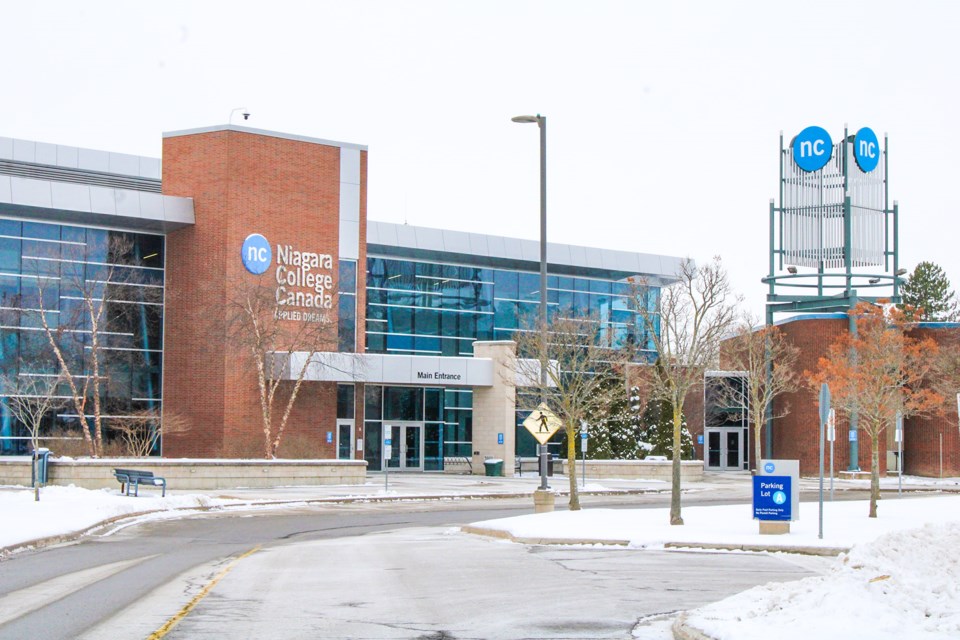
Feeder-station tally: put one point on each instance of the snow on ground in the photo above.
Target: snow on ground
(845, 523)
(903, 585)
(64, 510)
(901, 579)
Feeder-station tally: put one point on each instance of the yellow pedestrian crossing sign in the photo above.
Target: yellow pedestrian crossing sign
(542, 423)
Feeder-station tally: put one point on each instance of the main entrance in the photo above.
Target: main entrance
(406, 451)
(726, 449)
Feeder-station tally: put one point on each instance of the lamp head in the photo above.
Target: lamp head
(791, 269)
(526, 119)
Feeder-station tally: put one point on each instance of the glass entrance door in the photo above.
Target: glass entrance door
(725, 449)
(406, 447)
(344, 439)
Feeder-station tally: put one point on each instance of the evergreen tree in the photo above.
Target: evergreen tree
(657, 430)
(615, 423)
(928, 291)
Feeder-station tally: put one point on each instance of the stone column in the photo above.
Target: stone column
(494, 407)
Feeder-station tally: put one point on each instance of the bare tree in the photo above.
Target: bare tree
(141, 431)
(582, 359)
(768, 362)
(97, 278)
(878, 372)
(271, 333)
(686, 325)
(30, 398)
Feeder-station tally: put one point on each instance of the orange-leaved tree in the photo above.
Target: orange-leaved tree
(877, 372)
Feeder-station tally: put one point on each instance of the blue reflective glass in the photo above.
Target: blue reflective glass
(505, 315)
(529, 286)
(348, 277)
(506, 284)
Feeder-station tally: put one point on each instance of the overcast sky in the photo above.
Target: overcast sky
(664, 118)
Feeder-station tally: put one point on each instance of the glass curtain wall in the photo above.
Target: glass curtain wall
(429, 308)
(62, 271)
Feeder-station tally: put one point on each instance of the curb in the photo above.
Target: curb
(506, 535)
(682, 631)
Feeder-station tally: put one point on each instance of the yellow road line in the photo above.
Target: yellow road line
(187, 608)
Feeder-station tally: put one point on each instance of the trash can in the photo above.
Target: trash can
(41, 457)
(550, 460)
(493, 467)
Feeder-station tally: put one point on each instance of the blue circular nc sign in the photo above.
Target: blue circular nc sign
(256, 254)
(812, 148)
(866, 149)
(779, 497)
(769, 468)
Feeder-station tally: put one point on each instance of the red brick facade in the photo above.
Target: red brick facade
(242, 183)
(796, 435)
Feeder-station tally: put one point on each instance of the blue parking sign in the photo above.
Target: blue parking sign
(771, 498)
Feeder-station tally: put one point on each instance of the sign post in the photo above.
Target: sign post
(542, 424)
(584, 436)
(899, 437)
(824, 418)
(387, 454)
(831, 436)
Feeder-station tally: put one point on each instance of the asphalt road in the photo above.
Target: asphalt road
(338, 562)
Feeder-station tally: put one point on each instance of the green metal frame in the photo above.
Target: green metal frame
(836, 291)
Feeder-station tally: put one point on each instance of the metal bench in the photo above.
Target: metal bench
(133, 478)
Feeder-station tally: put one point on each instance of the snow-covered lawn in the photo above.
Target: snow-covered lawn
(901, 578)
(65, 510)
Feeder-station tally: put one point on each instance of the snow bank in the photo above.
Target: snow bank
(64, 510)
(903, 585)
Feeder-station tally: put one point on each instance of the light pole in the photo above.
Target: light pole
(541, 122)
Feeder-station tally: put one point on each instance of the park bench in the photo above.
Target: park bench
(133, 478)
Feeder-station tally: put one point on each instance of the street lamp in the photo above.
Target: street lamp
(541, 122)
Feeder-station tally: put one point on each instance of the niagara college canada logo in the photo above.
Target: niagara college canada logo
(256, 254)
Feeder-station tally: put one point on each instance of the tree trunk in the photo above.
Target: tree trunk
(677, 453)
(572, 465)
(874, 474)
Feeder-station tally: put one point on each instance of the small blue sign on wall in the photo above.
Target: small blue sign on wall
(866, 149)
(329, 437)
(812, 148)
(771, 498)
(499, 438)
(700, 439)
(256, 254)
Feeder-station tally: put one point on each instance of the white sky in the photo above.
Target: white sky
(663, 117)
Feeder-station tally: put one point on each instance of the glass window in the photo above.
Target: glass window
(505, 315)
(372, 444)
(348, 276)
(373, 402)
(433, 404)
(10, 255)
(402, 403)
(345, 404)
(506, 284)
(427, 322)
(529, 286)
(347, 322)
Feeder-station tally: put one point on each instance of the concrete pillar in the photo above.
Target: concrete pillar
(494, 407)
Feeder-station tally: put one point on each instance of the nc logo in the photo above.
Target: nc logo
(812, 148)
(769, 467)
(256, 254)
(866, 149)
